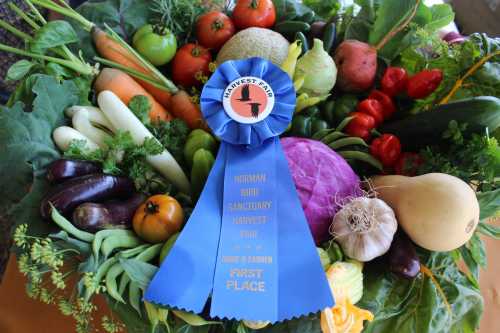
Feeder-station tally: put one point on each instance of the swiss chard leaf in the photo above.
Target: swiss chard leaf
(416, 306)
(53, 34)
(27, 148)
(123, 16)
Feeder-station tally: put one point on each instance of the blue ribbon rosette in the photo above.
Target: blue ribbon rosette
(247, 245)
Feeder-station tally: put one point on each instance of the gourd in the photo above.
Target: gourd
(439, 212)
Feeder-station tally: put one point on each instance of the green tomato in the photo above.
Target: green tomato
(156, 44)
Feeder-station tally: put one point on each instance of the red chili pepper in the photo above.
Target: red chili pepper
(408, 164)
(373, 108)
(394, 81)
(387, 148)
(424, 83)
(361, 125)
(388, 107)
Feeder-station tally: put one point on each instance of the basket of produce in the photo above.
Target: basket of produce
(253, 165)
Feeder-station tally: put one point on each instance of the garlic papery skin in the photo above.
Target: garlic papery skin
(364, 228)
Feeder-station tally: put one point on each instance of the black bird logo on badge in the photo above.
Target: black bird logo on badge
(255, 109)
(245, 93)
(245, 97)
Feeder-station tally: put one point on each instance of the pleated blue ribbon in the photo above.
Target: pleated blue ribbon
(247, 244)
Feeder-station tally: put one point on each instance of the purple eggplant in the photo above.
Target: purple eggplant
(403, 259)
(90, 188)
(113, 214)
(63, 169)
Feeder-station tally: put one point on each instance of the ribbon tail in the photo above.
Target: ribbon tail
(245, 283)
(185, 278)
(303, 286)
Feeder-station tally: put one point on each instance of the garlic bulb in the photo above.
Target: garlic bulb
(364, 228)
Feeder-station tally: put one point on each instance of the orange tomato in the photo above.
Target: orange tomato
(254, 13)
(158, 218)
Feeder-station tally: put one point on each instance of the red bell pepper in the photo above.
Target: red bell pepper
(373, 108)
(394, 81)
(361, 125)
(387, 148)
(424, 83)
(388, 107)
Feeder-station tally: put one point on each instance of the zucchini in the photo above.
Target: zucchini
(292, 27)
(329, 34)
(427, 128)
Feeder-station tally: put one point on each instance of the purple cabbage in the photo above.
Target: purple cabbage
(323, 180)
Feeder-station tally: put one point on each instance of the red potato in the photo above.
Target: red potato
(357, 66)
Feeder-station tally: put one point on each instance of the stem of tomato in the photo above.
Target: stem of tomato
(217, 25)
(254, 4)
(151, 208)
(196, 52)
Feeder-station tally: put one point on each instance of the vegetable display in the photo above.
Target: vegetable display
(393, 150)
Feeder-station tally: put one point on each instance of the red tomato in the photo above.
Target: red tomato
(254, 13)
(213, 29)
(191, 61)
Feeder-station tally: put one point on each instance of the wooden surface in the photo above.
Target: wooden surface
(20, 314)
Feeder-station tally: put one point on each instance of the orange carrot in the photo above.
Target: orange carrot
(110, 49)
(183, 107)
(125, 87)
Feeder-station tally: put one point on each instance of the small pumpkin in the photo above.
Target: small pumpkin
(158, 218)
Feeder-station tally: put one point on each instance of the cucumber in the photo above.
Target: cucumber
(292, 27)
(427, 128)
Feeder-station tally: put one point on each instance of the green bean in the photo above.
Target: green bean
(332, 137)
(150, 253)
(66, 225)
(135, 251)
(124, 281)
(111, 285)
(134, 296)
(350, 141)
(319, 135)
(101, 235)
(99, 275)
(361, 156)
(343, 124)
(115, 242)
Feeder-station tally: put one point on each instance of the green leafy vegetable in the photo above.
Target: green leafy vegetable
(469, 69)
(139, 272)
(291, 10)
(123, 16)
(416, 306)
(26, 148)
(126, 158)
(179, 16)
(140, 106)
(475, 160)
(53, 34)
(324, 8)
(489, 203)
(173, 136)
(19, 70)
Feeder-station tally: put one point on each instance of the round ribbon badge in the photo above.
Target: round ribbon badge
(248, 100)
(235, 248)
